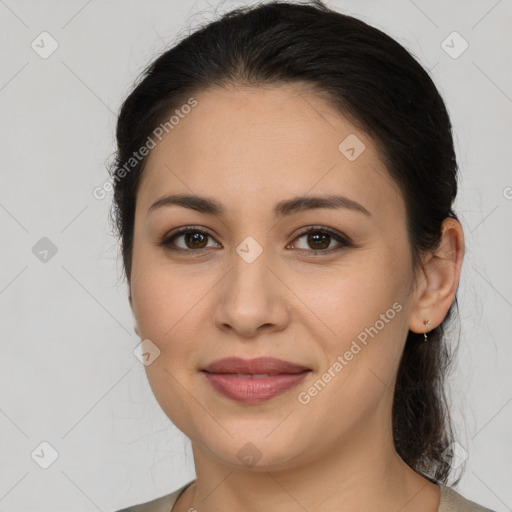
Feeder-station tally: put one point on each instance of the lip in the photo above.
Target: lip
(234, 378)
(269, 365)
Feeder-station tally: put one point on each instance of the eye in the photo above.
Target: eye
(194, 240)
(320, 238)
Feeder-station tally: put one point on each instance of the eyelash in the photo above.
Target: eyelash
(343, 240)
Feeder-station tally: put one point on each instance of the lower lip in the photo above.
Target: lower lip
(250, 390)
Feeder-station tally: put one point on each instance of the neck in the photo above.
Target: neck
(363, 474)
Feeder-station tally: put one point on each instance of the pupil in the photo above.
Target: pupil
(196, 238)
(316, 238)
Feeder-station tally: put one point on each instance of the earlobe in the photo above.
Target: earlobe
(441, 272)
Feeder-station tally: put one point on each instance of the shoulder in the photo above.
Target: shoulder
(162, 504)
(452, 501)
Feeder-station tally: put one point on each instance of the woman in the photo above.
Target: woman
(284, 185)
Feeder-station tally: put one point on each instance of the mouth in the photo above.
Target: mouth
(253, 380)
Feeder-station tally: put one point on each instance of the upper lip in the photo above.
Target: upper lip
(269, 365)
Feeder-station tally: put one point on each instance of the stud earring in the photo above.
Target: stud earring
(426, 323)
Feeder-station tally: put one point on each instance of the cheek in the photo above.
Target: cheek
(166, 308)
(159, 301)
(353, 298)
(168, 304)
(363, 318)
(360, 350)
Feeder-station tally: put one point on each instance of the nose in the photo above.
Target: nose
(252, 299)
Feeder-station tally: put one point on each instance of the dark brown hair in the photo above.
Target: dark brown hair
(374, 81)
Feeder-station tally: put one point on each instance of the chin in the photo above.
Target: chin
(251, 446)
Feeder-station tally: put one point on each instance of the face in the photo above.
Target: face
(324, 287)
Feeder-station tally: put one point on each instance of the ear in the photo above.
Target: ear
(135, 328)
(439, 279)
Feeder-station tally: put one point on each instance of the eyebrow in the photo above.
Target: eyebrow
(283, 208)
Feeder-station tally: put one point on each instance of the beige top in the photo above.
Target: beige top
(451, 501)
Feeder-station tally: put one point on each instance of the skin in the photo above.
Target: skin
(250, 148)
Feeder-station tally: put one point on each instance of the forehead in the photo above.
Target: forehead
(252, 146)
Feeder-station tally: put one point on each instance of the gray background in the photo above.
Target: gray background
(68, 376)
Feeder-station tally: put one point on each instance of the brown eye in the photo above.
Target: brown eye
(319, 239)
(187, 240)
(195, 240)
